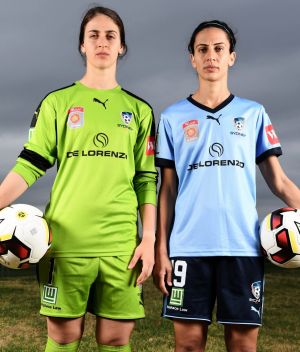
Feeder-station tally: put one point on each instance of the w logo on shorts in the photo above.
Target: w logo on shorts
(49, 294)
(177, 297)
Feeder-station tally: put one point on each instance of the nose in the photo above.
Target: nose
(211, 58)
(102, 45)
(102, 42)
(210, 55)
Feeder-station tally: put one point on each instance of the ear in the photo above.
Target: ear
(82, 48)
(193, 61)
(232, 59)
(121, 50)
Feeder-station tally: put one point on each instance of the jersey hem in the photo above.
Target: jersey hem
(21, 171)
(215, 254)
(72, 316)
(237, 322)
(90, 255)
(274, 151)
(160, 162)
(109, 316)
(185, 318)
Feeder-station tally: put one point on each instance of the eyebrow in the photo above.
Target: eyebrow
(201, 44)
(96, 31)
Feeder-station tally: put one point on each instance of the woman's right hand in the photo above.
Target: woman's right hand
(162, 272)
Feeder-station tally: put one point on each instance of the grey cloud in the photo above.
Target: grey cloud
(39, 54)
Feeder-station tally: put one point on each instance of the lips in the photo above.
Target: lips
(210, 67)
(102, 53)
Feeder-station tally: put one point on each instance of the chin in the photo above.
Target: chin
(102, 65)
(213, 77)
(210, 78)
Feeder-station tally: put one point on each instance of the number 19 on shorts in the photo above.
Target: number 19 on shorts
(179, 278)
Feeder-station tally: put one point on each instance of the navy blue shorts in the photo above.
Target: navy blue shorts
(235, 284)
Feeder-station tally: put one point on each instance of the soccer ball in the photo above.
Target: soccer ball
(24, 236)
(280, 237)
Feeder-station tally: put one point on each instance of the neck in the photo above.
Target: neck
(211, 94)
(99, 79)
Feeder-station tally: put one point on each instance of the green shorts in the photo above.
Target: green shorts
(104, 286)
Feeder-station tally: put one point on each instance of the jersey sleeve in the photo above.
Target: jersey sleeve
(39, 153)
(145, 178)
(267, 142)
(164, 146)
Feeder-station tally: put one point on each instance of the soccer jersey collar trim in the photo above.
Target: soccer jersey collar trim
(206, 108)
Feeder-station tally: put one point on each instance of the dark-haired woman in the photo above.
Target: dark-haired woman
(208, 248)
(102, 139)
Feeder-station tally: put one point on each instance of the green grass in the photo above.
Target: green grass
(22, 329)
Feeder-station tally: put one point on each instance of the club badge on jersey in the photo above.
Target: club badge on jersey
(76, 117)
(239, 123)
(126, 117)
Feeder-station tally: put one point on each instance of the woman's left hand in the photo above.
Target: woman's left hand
(144, 252)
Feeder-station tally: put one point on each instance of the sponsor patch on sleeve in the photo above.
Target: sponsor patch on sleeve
(272, 137)
(150, 148)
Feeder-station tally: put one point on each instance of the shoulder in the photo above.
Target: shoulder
(58, 93)
(175, 108)
(135, 99)
(247, 103)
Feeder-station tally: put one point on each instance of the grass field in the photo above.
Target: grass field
(22, 329)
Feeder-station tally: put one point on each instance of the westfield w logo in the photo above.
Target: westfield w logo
(95, 100)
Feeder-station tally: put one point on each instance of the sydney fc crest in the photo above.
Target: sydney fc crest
(256, 290)
(239, 123)
(239, 126)
(126, 117)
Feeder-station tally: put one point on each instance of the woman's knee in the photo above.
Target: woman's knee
(65, 330)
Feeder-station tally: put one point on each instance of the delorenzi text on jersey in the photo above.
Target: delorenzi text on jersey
(103, 153)
(209, 163)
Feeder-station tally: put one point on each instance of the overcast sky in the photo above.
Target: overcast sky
(39, 54)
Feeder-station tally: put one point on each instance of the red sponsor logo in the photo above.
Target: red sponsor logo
(272, 137)
(191, 130)
(76, 117)
(76, 109)
(188, 123)
(150, 148)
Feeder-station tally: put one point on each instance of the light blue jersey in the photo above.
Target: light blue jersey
(215, 152)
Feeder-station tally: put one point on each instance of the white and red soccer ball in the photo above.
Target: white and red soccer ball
(280, 237)
(24, 236)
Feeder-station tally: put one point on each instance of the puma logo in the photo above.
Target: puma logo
(209, 117)
(100, 102)
(256, 310)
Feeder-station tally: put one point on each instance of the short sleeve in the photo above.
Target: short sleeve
(165, 145)
(267, 141)
(39, 153)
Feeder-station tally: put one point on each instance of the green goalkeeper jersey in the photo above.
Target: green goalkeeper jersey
(103, 144)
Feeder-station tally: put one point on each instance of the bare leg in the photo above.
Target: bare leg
(64, 330)
(113, 332)
(190, 336)
(241, 338)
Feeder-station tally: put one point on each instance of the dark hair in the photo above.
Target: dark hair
(99, 10)
(215, 23)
